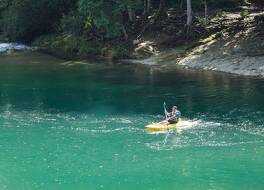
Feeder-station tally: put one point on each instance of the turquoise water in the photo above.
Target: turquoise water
(80, 126)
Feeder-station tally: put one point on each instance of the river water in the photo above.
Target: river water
(66, 125)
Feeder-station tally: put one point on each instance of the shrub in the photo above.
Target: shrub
(244, 13)
(72, 24)
(28, 19)
(68, 46)
(122, 51)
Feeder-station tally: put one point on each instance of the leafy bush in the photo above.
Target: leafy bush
(107, 20)
(107, 15)
(27, 19)
(72, 24)
(244, 13)
(68, 46)
(122, 51)
(201, 21)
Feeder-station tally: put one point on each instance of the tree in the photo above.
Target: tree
(162, 9)
(147, 5)
(107, 15)
(132, 7)
(189, 13)
(205, 11)
(103, 14)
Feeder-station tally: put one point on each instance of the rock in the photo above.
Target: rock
(13, 46)
(145, 49)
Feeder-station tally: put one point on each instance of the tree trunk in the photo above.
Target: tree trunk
(181, 5)
(148, 6)
(145, 8)
(162, 9)
(189, 13)
(205, 12)
(124, 32)
(131, 14)
(189, 18)
(162, 5)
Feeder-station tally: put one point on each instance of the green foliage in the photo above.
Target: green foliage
(88, 24)
(197, 4)
(107, 20)
(122, 51)
(221, 14)
(90, 27)
(68, 46)
(201, 20)
(219, 34)
(4, 4)
(107, 15)
(27, 19)
(71, 46)
(244, 13)
(73, 24)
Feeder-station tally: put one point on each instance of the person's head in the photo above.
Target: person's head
(174, 108)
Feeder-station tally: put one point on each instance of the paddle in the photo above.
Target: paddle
(165, 110)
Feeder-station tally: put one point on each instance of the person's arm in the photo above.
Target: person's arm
(167, 114)
(178, 114)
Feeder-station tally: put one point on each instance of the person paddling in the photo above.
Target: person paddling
(172, 117)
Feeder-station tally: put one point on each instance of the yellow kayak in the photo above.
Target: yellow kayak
(155, 127)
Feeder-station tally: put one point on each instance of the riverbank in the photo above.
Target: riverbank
(237, 49)
(229, 43)
(145, 39)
